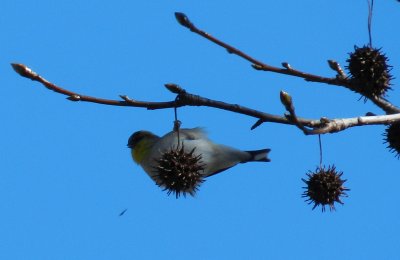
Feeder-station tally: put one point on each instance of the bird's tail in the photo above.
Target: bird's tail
(259, 155)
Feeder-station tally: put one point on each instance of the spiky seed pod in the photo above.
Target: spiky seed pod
(392, 138)
(370, 73)
(324, 187)
(179, 171)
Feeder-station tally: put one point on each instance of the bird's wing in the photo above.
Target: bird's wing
(193, 133)
(185, 134)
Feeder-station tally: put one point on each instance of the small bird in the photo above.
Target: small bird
(147, 147)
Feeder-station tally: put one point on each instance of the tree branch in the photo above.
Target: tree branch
(256, 64)
(26, 72)
(339, 80)
(308, 126)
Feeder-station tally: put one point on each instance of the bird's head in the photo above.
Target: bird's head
(141, 143)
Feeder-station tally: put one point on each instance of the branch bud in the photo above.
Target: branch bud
(126, 98)
(286, 65)
(286, 100)
(257, 67)
(370, 114)
(24, 71)
(183, 20)
(334, 65)
(74, 98)
(174, 88)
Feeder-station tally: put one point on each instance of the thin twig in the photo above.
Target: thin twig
(26, 72)
(258, 65)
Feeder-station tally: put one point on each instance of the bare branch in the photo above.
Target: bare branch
(256, 64)
(26, 72)
(183, 98)
(339, 80)
(337, 125)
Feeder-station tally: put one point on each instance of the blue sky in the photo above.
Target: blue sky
(67, 174)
